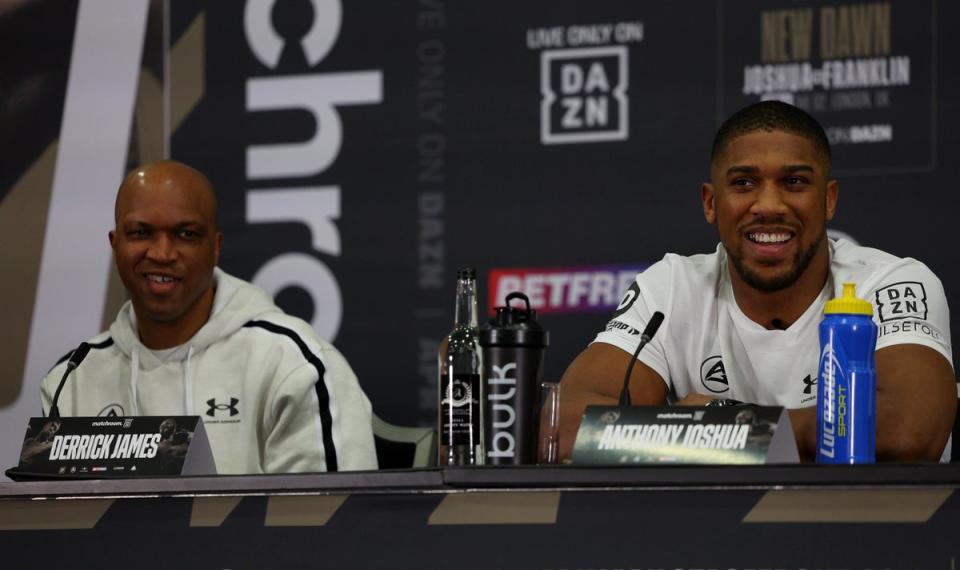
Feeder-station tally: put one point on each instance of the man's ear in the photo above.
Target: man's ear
(833, 191)
(708, 198)
(217, 246)
(112, 236)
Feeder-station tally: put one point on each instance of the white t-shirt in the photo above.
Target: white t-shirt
(707, 345)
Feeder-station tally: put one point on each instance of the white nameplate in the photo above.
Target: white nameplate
(685, 434)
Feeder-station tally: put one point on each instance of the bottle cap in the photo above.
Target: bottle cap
(513, 326)
(467, 273)
(848, 304)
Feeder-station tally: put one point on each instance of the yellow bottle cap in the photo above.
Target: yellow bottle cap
(848, 304)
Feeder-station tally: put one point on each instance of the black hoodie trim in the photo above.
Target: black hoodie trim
(102, 344)
(323, 396)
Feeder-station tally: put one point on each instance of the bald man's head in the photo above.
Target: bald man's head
(166, 244)
(167, 176)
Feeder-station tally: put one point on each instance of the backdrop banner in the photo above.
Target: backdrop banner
(364, 151)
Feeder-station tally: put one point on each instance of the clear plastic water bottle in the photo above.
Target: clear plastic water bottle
(847, 388)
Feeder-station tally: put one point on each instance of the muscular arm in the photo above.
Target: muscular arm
(916, 403)
(802, 420)
(596, 377)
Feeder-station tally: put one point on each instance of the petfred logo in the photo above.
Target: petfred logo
(584, 79)
(566, 289)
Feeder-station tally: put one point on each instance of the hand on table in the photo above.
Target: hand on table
(694, 399)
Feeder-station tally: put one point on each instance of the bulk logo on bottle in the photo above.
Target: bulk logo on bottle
(313, 206)
(502, 442)
(835, 411)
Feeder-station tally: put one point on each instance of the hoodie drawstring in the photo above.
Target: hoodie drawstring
(134, 378)
(188, 384)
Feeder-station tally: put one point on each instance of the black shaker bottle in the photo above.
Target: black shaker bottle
(513, 345)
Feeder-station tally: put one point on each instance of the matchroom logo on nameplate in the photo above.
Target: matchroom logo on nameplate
(584, 81)
(865, 70)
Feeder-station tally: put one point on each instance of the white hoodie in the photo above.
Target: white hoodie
(273, 396)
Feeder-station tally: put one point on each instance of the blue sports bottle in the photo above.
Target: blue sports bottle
(847, 387)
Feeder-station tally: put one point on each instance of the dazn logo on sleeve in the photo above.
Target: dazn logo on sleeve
(906, 300)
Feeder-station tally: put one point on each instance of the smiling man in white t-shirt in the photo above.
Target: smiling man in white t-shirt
(741, 323)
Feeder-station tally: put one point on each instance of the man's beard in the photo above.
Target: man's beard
(779, 282)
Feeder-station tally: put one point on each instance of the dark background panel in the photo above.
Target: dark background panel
(460, 122)
(33, 84)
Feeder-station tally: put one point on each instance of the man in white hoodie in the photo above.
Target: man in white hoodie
(193, 340)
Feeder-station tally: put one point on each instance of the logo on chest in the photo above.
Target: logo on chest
(713, 375)
(215, 407)
(112, 411)
(809, 389)
(223, 409)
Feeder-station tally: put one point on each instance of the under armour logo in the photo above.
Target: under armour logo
(214, 407)
(808, 384)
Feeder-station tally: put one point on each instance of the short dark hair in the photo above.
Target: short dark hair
(771, 116)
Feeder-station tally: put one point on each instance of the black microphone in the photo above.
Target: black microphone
(75, 359)
(652, 326)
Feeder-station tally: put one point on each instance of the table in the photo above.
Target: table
(565, 517)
